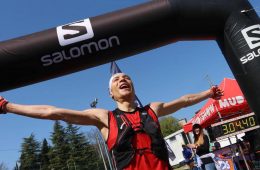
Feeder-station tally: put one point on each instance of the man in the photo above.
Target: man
(132, 134)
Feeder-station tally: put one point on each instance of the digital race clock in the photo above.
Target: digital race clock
(235, 126)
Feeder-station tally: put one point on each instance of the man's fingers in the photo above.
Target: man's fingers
(216, 92)
(3, 103)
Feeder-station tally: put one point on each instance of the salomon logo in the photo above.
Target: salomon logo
(84, 49)
(75, 32)
(252, 36)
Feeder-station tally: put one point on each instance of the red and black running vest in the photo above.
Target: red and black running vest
(121, 133)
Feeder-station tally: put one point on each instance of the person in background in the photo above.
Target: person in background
(188, 156)
(216, 146)
(201, 146)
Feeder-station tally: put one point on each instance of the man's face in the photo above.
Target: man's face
(121, 87)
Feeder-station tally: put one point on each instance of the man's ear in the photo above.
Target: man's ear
(110, 94)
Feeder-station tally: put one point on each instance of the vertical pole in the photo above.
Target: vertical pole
(107, 154)
(93, 105)
(100, 149)
(243, 156)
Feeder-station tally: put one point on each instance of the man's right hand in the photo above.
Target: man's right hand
(3, 103)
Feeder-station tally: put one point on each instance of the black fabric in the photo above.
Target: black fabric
(162, 22)
(123, 151)
(159, 147)
(204, 149)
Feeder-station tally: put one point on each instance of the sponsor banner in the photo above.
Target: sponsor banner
(84, 49)
(74, 32)
(70, 35)
(230, 102)
(205, 114)
(251, 35)
(218, 105)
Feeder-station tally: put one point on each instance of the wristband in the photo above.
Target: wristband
(3, 103)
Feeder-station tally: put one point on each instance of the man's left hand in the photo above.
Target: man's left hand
(216, 92)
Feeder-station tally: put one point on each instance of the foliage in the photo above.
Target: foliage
(29, 158)
(60, 148)
(82, 154)
(44, 155)
(169, 125)
(70, 149)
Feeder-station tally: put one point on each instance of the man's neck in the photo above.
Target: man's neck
(126, 106)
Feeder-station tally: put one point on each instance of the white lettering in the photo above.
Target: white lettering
(46, 60)
(57, 57)
(93, 44)
(243, 60)
(205, 114)
(240, 99)
(250, 56)
(75, 52)
(256, 54)
(105, 44)
(75, 32)
(252, 36)
(211, 109)
(231, 101)
(116, 40)
(223, 103)
(65, 56)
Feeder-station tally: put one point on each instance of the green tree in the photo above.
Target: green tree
(29, 158)
(58, 152)
(70, 149)
(44, 155)
(82, 155)
(169, 125)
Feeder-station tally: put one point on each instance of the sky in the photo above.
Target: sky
(162, 74)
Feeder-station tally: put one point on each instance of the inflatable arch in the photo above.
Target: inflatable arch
(94, 41)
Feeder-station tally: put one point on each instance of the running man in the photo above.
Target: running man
(132, 134)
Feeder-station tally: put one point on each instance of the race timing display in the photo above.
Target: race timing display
(235, 126)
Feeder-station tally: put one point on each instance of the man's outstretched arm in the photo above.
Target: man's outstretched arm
(162, 109)
(85, 117)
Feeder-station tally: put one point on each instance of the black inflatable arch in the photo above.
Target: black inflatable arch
(101, 39)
